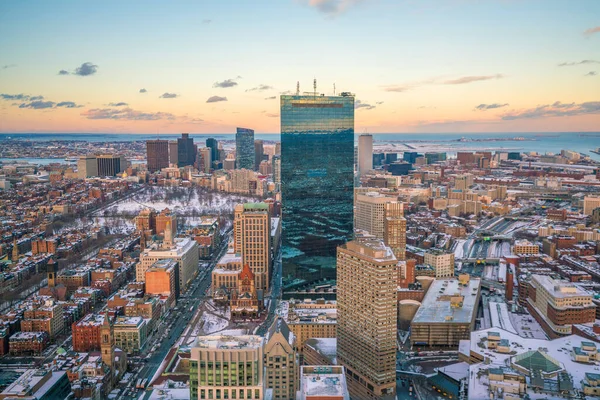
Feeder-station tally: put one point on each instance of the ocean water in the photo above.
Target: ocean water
(550, 142)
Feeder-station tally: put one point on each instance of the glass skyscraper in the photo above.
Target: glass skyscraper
(317, 172)
(244, 148)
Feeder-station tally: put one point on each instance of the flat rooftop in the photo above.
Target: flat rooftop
(559, 288)
(322, 382)
(437, 306)
(229, 342)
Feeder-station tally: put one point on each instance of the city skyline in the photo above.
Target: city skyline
(415, 67)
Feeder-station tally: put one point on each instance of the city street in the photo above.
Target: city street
(172, 327)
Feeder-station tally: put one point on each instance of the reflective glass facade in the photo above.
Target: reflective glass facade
(317, 172)
(244, 148)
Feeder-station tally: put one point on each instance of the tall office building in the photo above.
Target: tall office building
(276, 163)
(394, 229)
(365, 153)
(280, 360)
(317, 184)
(157, 154)
(186, 151)
(173, 152)
(371, 212)
(206, 159)
(259, 151)
(213, 144)
(227, 367)
(244, 148)
(252, 236)
(87, 166)
(367, 319)
(110, 164)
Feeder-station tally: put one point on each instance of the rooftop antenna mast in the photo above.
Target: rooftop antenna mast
(315, 86)
(334, 89)
(297, 88)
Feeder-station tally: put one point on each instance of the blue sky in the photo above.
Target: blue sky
(416, 66)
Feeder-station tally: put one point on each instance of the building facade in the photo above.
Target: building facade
(157, 154)
(367, 320)
(244, 149)
(227, 367)
(186, 151)
(252, 235)
(365, 154)
(280, 360)
(442, 263)
(317, 179)
(183, 250)
(110, 164)
(559, 304)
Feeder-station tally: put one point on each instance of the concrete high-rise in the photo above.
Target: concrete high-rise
(87, 166)
(371, 212)
(276, 169)
(317, 184)
(252, 236)
(365, 153)
(206, 158)
(157, 154)
(394, 229)
(367, 318)
(259, 151)
(244, 148)
(110, 164)
(173, 152)
(281, 360)
(227, 367)
(186, 151)
(441, 261)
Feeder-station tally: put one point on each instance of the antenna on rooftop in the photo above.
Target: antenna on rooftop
(334, 89)
(315, 86)
(297, 88)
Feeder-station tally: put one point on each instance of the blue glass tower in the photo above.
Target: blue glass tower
(317, 172)
(244, 148)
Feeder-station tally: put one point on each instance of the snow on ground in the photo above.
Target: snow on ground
(527, 326)
(234, 332)
(184, 200)
(213, 323)
(500, 317)
(502, 272)
(459, 250)
(490, 272)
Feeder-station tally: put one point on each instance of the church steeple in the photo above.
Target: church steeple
(107, 346)
(168, 237)
(51, 272)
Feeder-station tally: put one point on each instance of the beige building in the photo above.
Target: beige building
(525, 247)
(130, 333)
(463, 181)
(559, 303)
(252, 235)
(442, 263)
(311, 319)
(367, 278)
(394, 229)
(182, 250)
(447, 314)
(590, 203)
(280, 360)
(227, 367)
(371, 211)
(87, 167)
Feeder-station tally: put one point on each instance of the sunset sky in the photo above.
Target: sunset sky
(209, 66)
